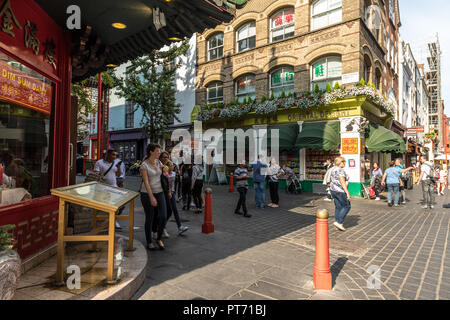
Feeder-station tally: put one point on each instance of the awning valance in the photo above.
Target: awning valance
(287, 136)
(380, 139)
(320, 136)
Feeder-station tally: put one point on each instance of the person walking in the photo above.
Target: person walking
(241, 176)
(339, 192)
(442, 179)
(327, 178)
(275, 172)
(375, 183)
(152, 195)
(428, 180)
(172, 207)
(186, 180)
(391, 178)
(197, 187)
(404, 177)
(259, 180)
(179, 163)
(164, 158)
(120, 182)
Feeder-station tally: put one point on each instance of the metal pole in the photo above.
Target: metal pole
(99, 119)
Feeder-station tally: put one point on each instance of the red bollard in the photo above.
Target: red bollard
(208, 226)
(321, 275)
(231, 184)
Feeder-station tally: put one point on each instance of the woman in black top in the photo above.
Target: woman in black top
(186, 180)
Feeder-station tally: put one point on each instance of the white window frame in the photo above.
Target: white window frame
(284, 26)
(326, 79)
(247, 93)
(250, 24)
(284, 84)
(217, 47)
(327, 13)
(214, 85)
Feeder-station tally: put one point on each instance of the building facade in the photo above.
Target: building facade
(279, 48)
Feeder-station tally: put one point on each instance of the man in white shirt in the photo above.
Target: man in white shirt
(427, 182)
(110, 170)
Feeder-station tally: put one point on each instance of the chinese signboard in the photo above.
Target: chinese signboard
(350, 145)
(23, 89)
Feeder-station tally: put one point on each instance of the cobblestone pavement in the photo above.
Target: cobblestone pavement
(271, 255)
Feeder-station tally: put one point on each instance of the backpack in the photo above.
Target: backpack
(434, 175)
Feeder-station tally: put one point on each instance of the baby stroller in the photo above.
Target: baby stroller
(293, 184)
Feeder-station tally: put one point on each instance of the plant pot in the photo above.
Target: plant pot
(10, 270)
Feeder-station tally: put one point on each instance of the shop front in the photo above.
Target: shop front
(34, 121)
(354, 128)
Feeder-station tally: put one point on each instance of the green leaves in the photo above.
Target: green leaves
(150, 83)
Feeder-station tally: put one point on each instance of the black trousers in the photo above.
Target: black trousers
(273, 186)
(177, 186)
(186, 189)
(152, 212)
(242, 198)
(197, 193)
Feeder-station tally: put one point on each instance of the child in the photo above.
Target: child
(172, 206)
(241, 176)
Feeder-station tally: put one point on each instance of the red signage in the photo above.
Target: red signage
(350, 145)
(21, 88)
(414, 131)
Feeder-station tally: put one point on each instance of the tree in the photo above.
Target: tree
(149, 83)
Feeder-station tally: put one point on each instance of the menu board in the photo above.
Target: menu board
(96, 192)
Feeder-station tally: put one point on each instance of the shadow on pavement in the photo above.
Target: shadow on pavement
(336, 268)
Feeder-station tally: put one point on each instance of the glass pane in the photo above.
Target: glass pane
(251, 84)
(220, 53)
(334, 67)
(277, 91)
(289, 76)
(242, 45)
(212, 42)
(220, 91)
(333, 4)
(241, 83)
(319, 70)
(277, 20)
(276, 78)
(289, 17)
(278, 35)
(212, 93)
(252, 42)
(319, 22)
(220, 39)
(320, 7)
(289, 32)
(335, 16)
(252, 29)
(243, 32)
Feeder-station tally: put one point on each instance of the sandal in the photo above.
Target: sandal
(151, 248)
(160, 245)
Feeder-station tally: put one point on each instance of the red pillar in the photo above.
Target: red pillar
(208, 226)
(231, 189)
(321, 274)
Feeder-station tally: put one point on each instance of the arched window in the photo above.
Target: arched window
(328, 69)
(282, 79)
(282, 25)
(367, 68)
(214, 93)
(377, 79)
(245, 87)
(325, 13)
(215, 47)
(246, 37)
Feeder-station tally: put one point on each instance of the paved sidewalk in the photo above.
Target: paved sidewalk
(271, 255)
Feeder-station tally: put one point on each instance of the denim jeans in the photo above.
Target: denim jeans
(151, 212)
(260, 193)
(341, 204)
(393, 188)
(428, 192)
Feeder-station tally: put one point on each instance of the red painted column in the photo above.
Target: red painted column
(231, 189)
(321, 275)
(208, 226)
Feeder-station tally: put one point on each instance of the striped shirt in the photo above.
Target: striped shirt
(241, 172)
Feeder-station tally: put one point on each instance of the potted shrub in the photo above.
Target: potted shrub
(10, 264)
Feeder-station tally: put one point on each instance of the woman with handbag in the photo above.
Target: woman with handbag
(377, 175)
(152, 195)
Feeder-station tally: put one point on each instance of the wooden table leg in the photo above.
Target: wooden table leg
(112, 224)
(60, 258)
(131, 229)
(94, 225)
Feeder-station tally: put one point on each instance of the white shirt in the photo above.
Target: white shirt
(122, 168)
(426, 168)
(102, 166)
(154, 178)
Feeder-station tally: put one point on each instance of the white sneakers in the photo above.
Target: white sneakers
(377, 199)
(339, 226)
(327, 199)
(164, 235)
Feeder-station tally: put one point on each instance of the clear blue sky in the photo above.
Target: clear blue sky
(421, 20)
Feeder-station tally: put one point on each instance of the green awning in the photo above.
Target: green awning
(380, 139)
(325, 135)
(287, 136)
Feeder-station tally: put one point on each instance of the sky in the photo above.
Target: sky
(421, 20)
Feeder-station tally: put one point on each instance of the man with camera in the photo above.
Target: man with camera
(427, 176)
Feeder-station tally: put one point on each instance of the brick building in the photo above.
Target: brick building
(292, 38)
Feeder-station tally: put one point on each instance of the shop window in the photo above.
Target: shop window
(325, 13)
(25, 106)
(245, 88)
(281, 80)
(215, 93)
(282, 25)
(391, 11)
(246, 37)
(129, 115)
(326, 70)
(215, 47)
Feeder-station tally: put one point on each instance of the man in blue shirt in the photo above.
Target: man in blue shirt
(392, 177)
(259, 180)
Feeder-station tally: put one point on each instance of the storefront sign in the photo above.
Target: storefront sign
(414, 131)
(21, 88)
(351, 163)
(319, 115)
(350, 145)
(350, 77)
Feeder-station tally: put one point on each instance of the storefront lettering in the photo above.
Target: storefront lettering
(8, 17)
(248, 58)
(31, 41)
(350, 145)
(324, 36)
(284, 48)
(49, 53)
(318, 115)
